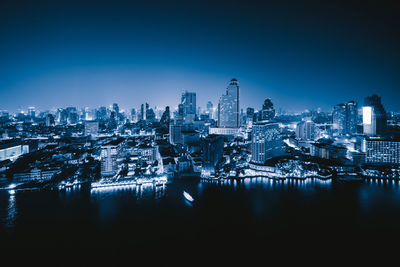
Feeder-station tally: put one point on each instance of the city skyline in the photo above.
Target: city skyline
(301, 55)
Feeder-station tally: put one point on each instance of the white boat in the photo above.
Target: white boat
(187, 196)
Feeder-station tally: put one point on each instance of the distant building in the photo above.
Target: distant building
(166, 116)
(175, 134)
(266, 142)
(223, 131)
(91, 128)
(228, 107)
(380, 151)
(339, 118)
(188, 101)
(267, 112)
(374, 116)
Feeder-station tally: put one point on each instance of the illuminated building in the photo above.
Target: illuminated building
(266, 142)
(380, 151)
(339, 118)
(109, 154)
(374, 116)
(12, 149)
(344, 117)
(228, 107)
(305, 130)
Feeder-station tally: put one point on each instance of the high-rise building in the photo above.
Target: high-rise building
(49, 120)
(374, 116)
(133, 115)
(267, 112)
(31, 112)
(166, 116)
(339, 118)
(109, 154)
(175, 134)
(228, 106)
(305, 130)
(344, 117)
(115, 108)
(213, 151)
(142, 113)
(188, 101)
(351, 117)
(150, 115)
(266, 142)
(380, 151)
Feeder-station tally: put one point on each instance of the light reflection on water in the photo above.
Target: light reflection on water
(263, 193)
(141, 192)
(11, 211)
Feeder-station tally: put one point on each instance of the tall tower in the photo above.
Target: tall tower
(374, 116)
(228, 107)
(188, 101)
(351, 117)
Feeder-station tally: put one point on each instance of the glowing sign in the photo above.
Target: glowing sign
(367, 115)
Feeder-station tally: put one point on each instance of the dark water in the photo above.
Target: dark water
(229, 214)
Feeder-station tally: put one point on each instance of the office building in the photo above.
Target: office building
(267, 112)
(381, 151)
(305, 130)
(228, 107)
(109, 155)
(374, 116)
(266, 142)
(175, 134)
(188, 101)
(344, 118)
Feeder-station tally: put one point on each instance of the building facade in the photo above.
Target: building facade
(266, 142)
(380, 151)
(228, 107)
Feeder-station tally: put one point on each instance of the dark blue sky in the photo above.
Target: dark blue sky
(302, 54)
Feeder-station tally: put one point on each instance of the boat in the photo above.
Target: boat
(187, 196)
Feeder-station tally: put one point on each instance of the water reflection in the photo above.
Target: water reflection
(141, 192)
(11, 210)
(269, 182)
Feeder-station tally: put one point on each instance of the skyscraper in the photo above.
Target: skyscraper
(305, 130)
(268, 111)
(188, 101)
(266, 142)
(351, 117)
(166, 116)
(115, 108)
(374, 116)
(228, 107)
(339, 118)
(344, 117)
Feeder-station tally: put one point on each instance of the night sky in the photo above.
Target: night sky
(302, 54)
